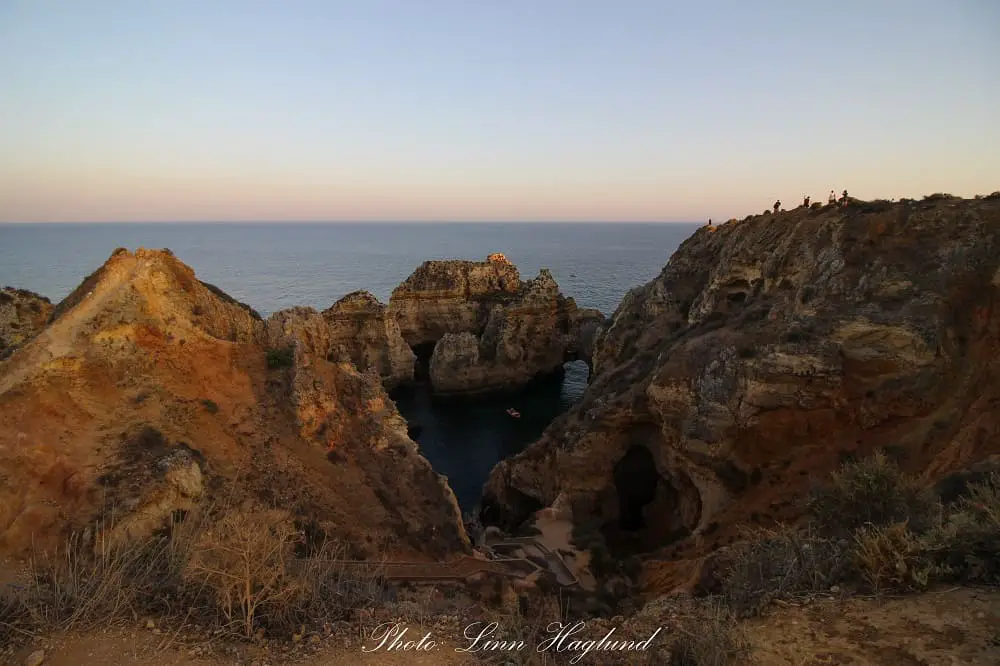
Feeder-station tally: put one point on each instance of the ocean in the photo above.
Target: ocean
(275, 266)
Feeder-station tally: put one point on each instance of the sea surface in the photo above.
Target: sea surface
(275, 266)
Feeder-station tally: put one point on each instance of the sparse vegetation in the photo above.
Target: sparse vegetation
(210, 406)
(239, 574)
(871, 528)
(715, 641)
(280, 358)
(891, 557)
(873, 491)
(940, 196)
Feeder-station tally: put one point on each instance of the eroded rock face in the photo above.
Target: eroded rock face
(451, 297)
(355, 329)
(484, 330)
(766, 351)
(532, 334)
(152, 393)
(22, 315)
(362, 331)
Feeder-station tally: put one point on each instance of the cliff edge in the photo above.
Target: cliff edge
(766, 352)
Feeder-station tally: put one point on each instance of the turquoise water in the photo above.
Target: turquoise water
(275, 266)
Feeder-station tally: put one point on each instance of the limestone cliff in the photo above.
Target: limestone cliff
(22, 315)
(151, 393)
(532, 334)
(451, 297)
(765, 352)
(362, 332)
(481, 329)
(356, 329)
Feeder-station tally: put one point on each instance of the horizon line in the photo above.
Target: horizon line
(359, 222)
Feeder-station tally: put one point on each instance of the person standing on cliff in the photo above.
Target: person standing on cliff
(805, 202)
(843, 199)
(832, 199)
(777, 205)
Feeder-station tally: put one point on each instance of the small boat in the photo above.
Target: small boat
(513, 412)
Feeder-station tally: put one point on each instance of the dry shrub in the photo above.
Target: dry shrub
(84, 584)
(238, 573)
(329, 588)
(716, 640)
(771, 564)
(873, 492)
(243, 560)
(891, 558)
(966, 547)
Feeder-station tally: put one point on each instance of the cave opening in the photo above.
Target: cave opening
(636, 480)
(422, 367)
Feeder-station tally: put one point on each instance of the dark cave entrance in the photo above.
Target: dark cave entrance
(422, 368)
(636, 480)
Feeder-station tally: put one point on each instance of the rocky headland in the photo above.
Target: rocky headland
(767, 352)
(478, 328)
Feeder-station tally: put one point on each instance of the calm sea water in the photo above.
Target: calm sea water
(275, 266)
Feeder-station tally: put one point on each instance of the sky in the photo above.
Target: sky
(497, 110)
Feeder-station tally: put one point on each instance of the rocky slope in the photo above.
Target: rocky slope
(766, 352)
(152, 393)
(22, 315)
(481, 329)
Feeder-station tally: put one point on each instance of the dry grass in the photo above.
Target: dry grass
(239, 574)
(715, 641)
(891, 558)
(771, 564)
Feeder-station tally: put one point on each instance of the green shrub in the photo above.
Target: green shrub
(210, 406)
(280, 358)
(873, 491)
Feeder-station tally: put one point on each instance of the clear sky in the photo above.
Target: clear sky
(488, 109)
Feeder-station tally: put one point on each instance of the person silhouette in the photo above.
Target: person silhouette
(777, 205)
(843, 199)
(832, 199)
(805, 202)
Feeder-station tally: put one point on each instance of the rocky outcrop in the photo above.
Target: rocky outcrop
(362, 332)
(151, 394)
(356, 329)
(480, 329)
(451, 296)
(765, 352)
(22, 315)
(532, 334)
